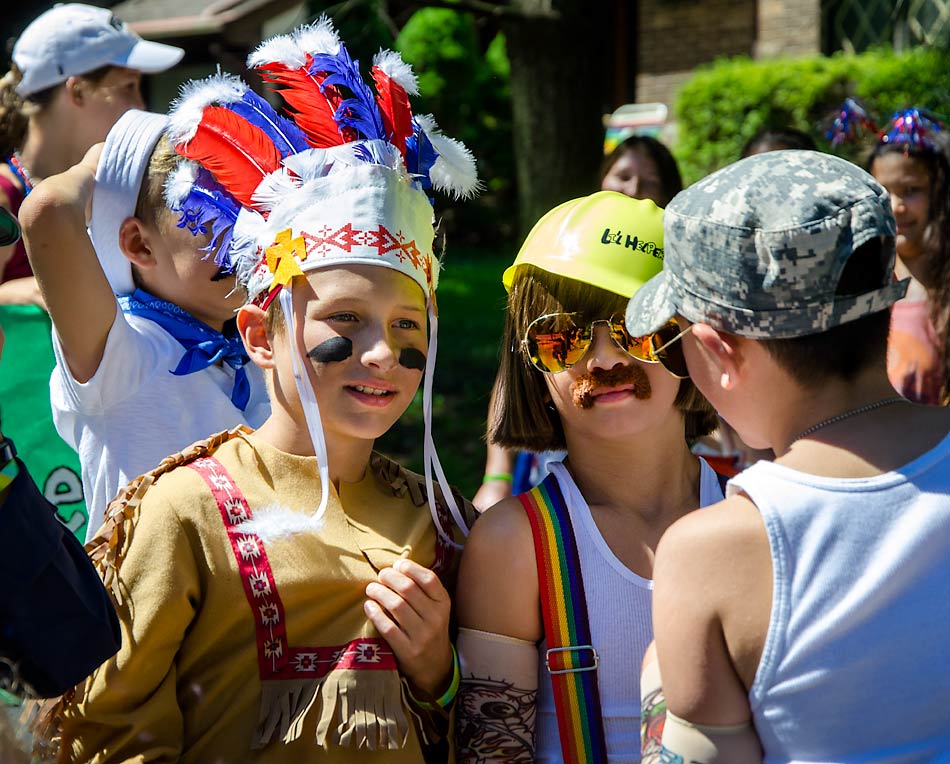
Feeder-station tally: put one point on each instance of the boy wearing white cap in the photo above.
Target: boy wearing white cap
(148, 356)
(283, 593)
(804, 618)
(76, 70)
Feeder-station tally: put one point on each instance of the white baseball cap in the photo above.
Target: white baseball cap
(73, 39)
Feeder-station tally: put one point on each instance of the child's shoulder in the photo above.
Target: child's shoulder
(178, 476)
(171, 484)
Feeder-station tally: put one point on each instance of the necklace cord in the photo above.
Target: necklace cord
(846, 415)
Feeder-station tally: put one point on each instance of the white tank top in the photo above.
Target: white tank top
(621, 626)
(856, 663)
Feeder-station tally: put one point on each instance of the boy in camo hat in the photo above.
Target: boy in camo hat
(781, 612)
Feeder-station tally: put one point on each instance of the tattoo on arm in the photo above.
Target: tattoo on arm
(495, 722)
(652, 719)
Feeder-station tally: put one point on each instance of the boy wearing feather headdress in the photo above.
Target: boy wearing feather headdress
(284, 593)
(148, 355)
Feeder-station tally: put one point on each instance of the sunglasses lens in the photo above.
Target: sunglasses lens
(555, 343)
(671, 356)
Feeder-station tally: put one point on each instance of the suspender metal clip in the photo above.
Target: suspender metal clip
(580, 649)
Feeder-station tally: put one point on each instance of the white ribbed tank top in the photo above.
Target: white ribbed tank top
(856, 664)
(619, 606)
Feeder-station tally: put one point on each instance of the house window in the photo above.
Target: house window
(856, 25)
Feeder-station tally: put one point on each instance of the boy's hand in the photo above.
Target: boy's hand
(71, 189)
(410, 609)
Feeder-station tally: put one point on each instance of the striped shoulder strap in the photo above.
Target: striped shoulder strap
(571, 659)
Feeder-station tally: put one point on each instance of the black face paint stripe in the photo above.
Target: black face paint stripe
(333, 350)
(412, 358)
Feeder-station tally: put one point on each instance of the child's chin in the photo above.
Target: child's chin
(371, 430)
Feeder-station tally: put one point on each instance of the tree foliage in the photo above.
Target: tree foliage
(464, 83)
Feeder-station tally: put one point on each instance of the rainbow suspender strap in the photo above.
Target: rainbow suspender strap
(571, 659)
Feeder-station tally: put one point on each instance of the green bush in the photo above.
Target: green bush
(725, 104)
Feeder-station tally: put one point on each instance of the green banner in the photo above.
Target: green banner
(25, 368)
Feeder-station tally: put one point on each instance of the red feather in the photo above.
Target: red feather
(393, 103)
(313, 108)
(236, 152)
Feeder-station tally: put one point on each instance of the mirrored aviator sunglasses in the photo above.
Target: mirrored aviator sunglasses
(555, 342)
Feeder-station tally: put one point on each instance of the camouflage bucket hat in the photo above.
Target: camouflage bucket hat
(757, 248)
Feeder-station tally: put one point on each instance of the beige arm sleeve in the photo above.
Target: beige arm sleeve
(666, 738)
(708, 743)
(497, 700)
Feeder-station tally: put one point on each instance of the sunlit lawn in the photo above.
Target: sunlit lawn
(471, 304)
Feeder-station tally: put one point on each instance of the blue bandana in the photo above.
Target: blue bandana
(203, 345)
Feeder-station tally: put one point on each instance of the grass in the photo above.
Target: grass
(471, 314)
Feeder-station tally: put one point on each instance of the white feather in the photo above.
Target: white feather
(186, 111)
(382, 153)
(396, 69)
(274, 189)
(455, 170)
(310, 164)
(275, 522)
(248, 229)
(319, 37)
(282, 49)
(342, 155)
(179, 182)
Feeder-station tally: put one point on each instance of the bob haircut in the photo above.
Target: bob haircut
(520, 415)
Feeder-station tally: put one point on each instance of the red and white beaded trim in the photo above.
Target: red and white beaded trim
(276, 658)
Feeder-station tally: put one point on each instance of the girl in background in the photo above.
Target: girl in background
(76, 69)
(912, 161)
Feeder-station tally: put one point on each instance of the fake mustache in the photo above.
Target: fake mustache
(584, 390)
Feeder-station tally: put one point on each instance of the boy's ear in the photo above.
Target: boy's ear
(250, 324)
(725, 351)
(135, 243)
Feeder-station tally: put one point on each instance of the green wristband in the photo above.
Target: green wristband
(449, 695)
(502, 476)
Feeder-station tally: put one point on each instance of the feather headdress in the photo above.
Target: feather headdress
(343, 178)
(263, 161)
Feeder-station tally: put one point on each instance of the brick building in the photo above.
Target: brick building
(675, 36)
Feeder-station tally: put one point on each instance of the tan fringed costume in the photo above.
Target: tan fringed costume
(234, 650)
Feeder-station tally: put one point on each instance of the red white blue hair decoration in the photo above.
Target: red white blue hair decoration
(850, 124)
(344, 177)
(913, 128)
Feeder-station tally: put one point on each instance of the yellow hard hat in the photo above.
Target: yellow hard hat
(607, 239)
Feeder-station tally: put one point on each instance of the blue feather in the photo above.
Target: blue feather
(420, 155)
(360, 112)
(208, 203)
(287, 137)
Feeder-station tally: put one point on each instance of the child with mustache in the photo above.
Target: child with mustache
(572, 377)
